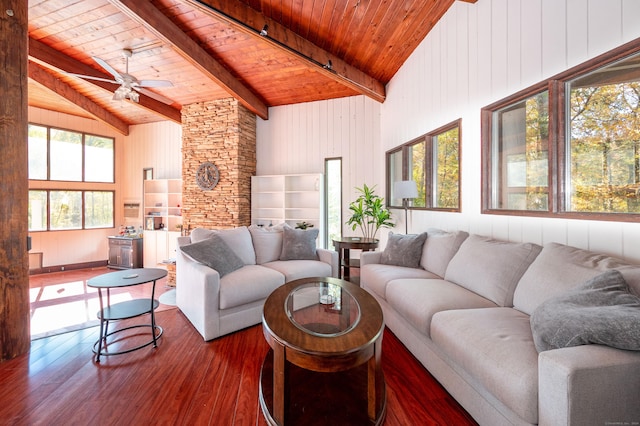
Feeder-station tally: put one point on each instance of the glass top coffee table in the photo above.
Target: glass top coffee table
(324, 364)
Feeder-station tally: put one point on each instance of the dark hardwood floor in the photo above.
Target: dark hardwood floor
(183, 381)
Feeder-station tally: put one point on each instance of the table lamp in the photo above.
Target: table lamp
(405, 189)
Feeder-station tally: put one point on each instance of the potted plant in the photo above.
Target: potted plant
(369, 213)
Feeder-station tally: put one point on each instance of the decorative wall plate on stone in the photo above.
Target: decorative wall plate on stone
(207, 176)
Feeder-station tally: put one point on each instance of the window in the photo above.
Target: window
(71, 164)
(433, 162)
(519, 149)
(333, 199)
(569, 146)
(65, 155)
(58, 210)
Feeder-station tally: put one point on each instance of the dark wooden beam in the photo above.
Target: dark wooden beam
(14, 183)
(248, 20)
(146, 14)
(50, 58)
(41, 75)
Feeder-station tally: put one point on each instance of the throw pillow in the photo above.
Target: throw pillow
(214, 253)
(267, 242)
(299, 244)
(403, 250)
(601, 311)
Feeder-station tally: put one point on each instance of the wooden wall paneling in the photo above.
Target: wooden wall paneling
(577, 32)
(604, 25)
(578, 233)
(630, 238)
(514, 52)
(606, 236)
(630, 14)
(530, 32)
(499, 40)
(483, 67)
(554, 37)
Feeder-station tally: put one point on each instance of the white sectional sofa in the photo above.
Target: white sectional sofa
(250, 263)
(465, 311)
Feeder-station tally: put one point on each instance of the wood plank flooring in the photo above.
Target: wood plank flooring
(185, 381)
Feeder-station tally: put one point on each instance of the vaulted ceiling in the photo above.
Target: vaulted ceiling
(262, 52)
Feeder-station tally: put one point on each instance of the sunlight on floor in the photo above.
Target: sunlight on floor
(61, 302)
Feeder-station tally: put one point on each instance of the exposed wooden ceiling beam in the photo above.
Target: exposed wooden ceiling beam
(248, 20)
(146, 14)
(48, 80)
(51, 58)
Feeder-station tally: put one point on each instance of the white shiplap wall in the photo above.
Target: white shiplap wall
(298, 138)
(477, 54)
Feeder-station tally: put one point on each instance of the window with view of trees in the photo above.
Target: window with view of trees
(568, 146)
(58, 210)
(58, 157)
(65, 155)
(433, 162)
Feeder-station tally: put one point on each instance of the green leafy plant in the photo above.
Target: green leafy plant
(369, 213)
(304, 225)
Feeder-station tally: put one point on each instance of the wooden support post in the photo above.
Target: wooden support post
(14, 184)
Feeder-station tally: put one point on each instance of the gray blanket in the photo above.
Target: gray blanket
(601, 311)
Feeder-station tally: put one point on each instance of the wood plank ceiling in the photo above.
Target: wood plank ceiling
(309, 50)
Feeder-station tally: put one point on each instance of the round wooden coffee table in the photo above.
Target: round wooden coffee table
(324, 365)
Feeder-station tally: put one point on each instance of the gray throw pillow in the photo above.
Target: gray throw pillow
(403, 250)
(214, 253)
(299, 244)
(601, 311)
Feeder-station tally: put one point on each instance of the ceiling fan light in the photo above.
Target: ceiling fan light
(119, 95)
(134, 96)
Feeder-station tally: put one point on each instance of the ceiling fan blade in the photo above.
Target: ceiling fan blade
(153, 95)
(155, 83)
(89, 77)
(108, 67)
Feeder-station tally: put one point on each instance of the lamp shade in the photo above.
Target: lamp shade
(405, 189)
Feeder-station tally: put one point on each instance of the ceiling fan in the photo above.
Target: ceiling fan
(130, 87)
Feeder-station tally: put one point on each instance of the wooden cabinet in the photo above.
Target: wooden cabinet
(292, 199)
(162, 220)
(125, 253)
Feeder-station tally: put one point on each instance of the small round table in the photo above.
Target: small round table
(317, 326)
(127, 309)
(343, 245)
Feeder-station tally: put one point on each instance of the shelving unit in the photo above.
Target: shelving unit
(291, 198)
(163, 199)
(162, 220)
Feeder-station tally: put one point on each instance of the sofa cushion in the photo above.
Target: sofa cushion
(417, 300)
(214, 253)
(296, 269)
(494, 347)
(403, 250)
(601, 311)
(299, 244)
(267, 242)
(439, 248)
(238, 239)
(491, 268)
(560, 268)
(375, 277)
(248, 284)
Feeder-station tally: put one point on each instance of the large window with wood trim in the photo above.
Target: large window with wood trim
(569, 146)
(71, 180)
(432, 161)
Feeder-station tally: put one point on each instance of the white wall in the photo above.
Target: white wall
(476, 55)
(156, 145)
(298, 138)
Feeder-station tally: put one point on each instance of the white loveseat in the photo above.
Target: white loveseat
(218, 305)
(464, 310)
